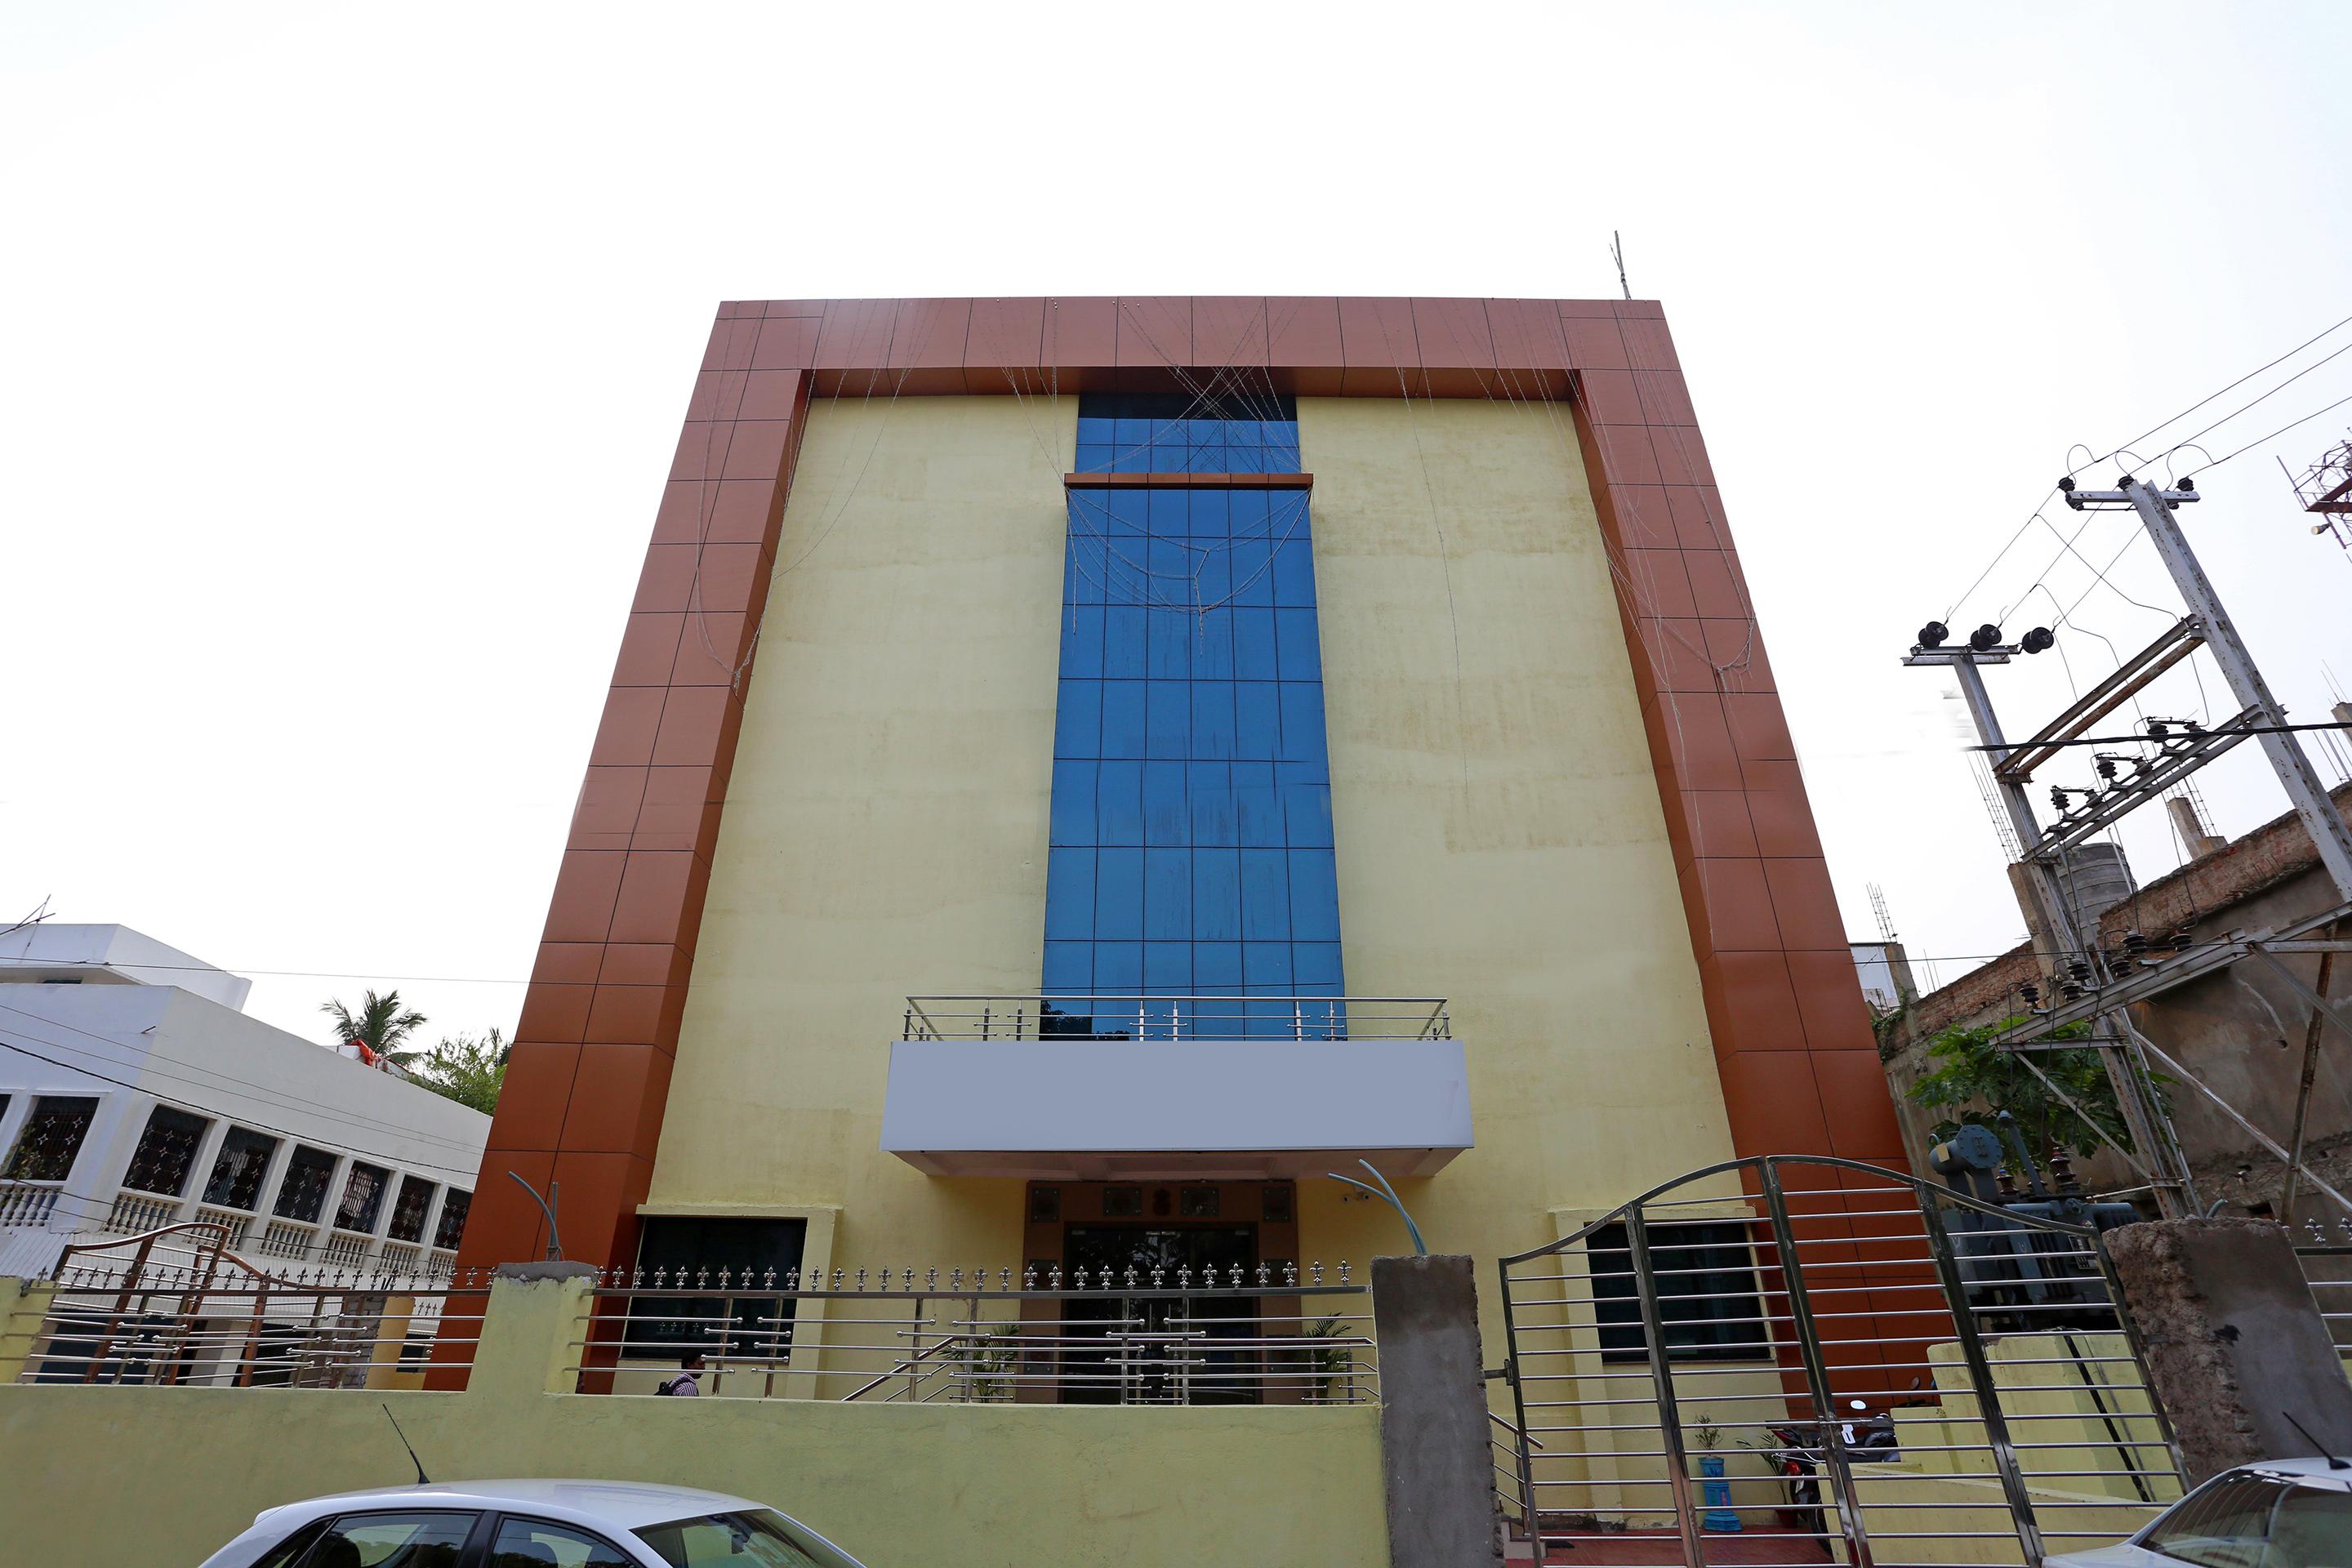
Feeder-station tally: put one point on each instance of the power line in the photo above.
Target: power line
(2093, 462)
(2279, 431)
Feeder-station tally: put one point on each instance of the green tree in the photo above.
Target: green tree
(468, 1070)
(380, 1026)
(1976, 1082)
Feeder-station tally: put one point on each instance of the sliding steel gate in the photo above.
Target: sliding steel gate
(1671, 1362)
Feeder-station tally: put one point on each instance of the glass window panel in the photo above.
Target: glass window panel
(1211, 791)
(1166, 820)
(1250, 511)
(1314, 896)
(1242, 432)
(1082, 571)
(1097, 428)
(1125, 511)
(1253, 584)
(1119, 803)
(531, 1543)
(1213, 718)
(1254, 646)
(1167, 966)
(1293, 564)
(1171, 719)
(1213, 636)
(1217, 895)
(395, 1540)
(166, 1148)
(1302, 721)
(1171, 457)
(1266, 965)
(1077, 720)
(1134, 430)
(1093, 456)
(1212, 514)
(1215, 586)
(52, 1135)
(1168, 513)
(1302, 657)
(1217, 966)
(303, 1192)
(1073, 808)
(1282, 448)
(1245, 460)
(1307, 815)
(1204, 432)
(408, 1212)
(1168, 895)
(1069, 967)
(1118, 971)
(450, 1229)
(1123, 719)
(1082, 642)
(362, 1198)
(1070, 894)
(1169, 636)
(1118, 895)
(1316, 963)
(1256, 807)
(235, 1181)
(1265, 896)
(1124, 634)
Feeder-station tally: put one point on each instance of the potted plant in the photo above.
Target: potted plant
(1718, 1491)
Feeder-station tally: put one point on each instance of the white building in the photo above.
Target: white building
(136, 1093)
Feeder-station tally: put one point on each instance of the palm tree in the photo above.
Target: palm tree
(380, 1026)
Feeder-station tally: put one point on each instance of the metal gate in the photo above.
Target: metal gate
(1684, 1374)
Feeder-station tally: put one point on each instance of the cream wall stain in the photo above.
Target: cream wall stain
(1500, 837)
(885, 821)
(1500, 832)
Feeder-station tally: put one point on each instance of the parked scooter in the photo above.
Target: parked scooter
(1796, 1457)
(1868, 1437)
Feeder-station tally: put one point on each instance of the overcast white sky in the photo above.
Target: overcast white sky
(342, 351)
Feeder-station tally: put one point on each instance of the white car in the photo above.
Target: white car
(528, 1525)
(2281, 1513)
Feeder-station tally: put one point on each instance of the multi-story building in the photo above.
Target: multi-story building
(135, 1094)
(1078, 770)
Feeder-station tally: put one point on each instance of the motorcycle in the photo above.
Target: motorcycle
(1796, 1457)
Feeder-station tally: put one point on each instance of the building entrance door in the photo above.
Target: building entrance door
(1157, 1346)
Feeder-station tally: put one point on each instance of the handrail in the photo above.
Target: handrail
(1143, 1016)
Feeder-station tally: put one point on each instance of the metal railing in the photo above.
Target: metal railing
(1672, 1362)
(128, 1312)
(1157, 1336)
(1129, 1016)
(2326, 1254)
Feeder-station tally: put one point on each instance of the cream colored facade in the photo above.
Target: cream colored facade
(1500, 839)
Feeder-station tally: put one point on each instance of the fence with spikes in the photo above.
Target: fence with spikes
(983, 1335)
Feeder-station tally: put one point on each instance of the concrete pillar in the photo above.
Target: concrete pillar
(2234, 1341)
(24, 1309)
(1434, 1458)
(535, 1313)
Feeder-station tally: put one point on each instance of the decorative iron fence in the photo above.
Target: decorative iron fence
(1162, 1336)
(1878, 1367)
(175, 1308)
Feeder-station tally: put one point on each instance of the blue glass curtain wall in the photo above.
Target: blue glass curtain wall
(1192, 850)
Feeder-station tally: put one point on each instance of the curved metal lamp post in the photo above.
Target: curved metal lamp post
(1420, 1247)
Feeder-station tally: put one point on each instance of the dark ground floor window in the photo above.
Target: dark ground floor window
(1705, 1280)
(688, 1251)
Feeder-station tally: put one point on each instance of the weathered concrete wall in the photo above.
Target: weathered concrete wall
(2235, 1343)
(1434, 1452)
(169, 1474)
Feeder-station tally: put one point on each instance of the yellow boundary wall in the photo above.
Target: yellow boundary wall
(166, 1474)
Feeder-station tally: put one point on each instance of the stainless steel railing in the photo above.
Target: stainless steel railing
(1131, 1016)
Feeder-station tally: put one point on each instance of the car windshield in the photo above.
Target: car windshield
(754, 1538)
(2255, 1521)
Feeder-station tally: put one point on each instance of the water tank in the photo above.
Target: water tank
(2095, 878)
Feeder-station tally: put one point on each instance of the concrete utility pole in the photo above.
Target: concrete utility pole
(2304, 791)
(2151, 1136)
